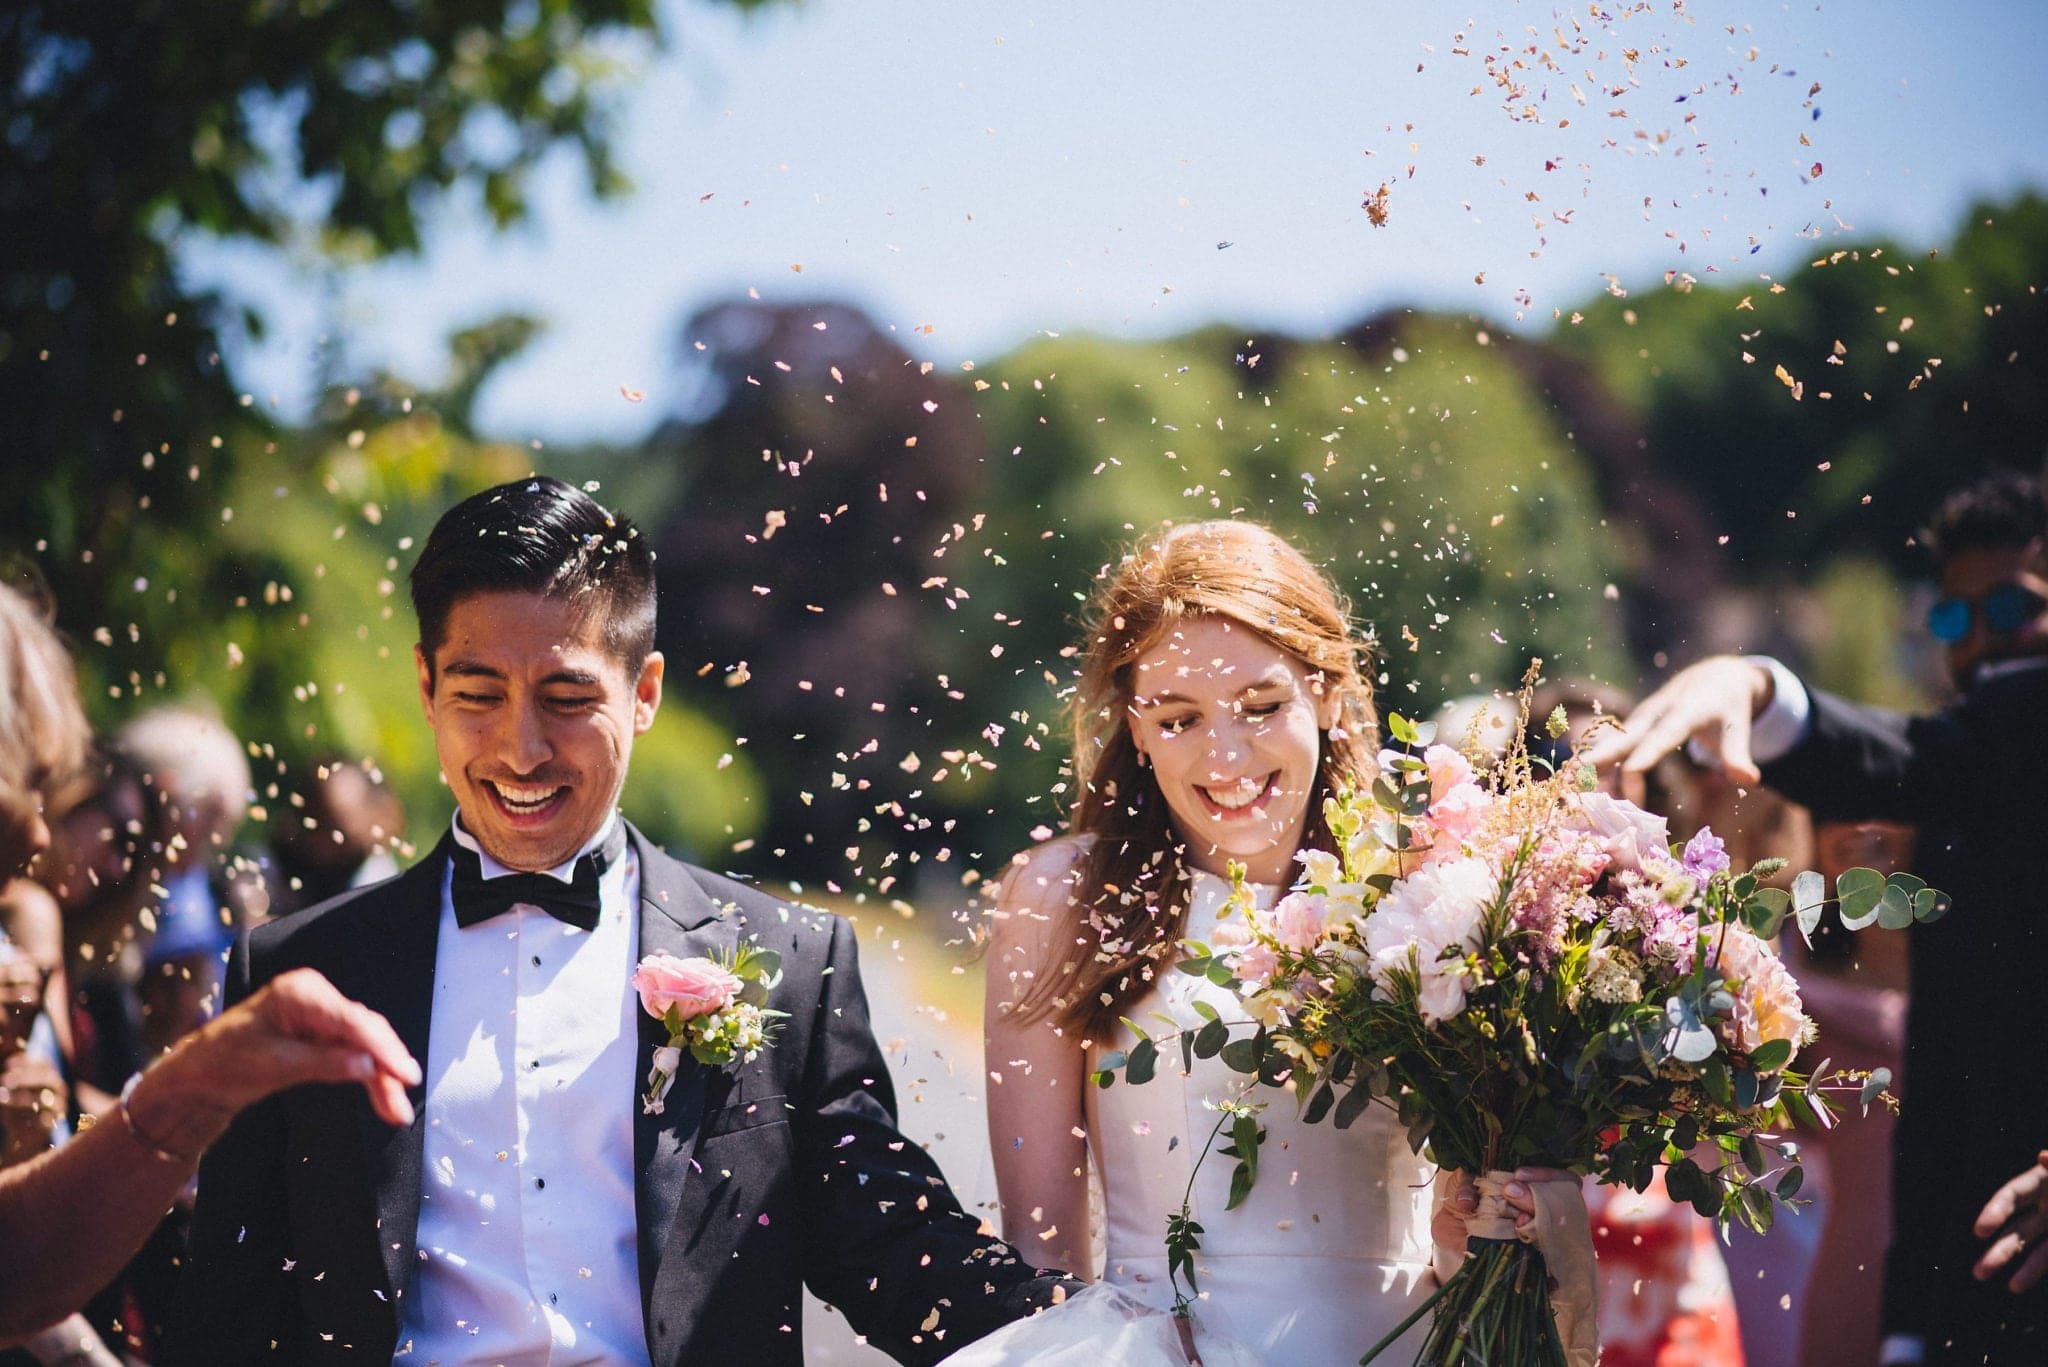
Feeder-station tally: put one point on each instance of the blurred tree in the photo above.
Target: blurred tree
(1832, 409)
(819, 471)
(131, 127)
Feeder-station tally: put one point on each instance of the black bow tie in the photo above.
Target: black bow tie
(576, 903)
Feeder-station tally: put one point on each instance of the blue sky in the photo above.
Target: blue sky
(993, 172)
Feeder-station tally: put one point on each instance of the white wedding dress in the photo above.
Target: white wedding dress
(1329, 1252)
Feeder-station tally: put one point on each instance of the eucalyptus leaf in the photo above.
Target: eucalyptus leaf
(1211, 1038)
(1809, 899)
(1771, 1055)
(1929, 905)
(1352, 1105)
(1790, 1182)
(1241, 1056)
(1895, 908)
(1687, 1036)
(1143, 1060)
(1319, 1103)
(1879, 1079)
(1860, 891)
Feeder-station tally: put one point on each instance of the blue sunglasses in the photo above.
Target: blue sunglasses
(2006, 609)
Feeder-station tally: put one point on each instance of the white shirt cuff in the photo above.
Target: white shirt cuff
(1782, 724)
(1901, 1350)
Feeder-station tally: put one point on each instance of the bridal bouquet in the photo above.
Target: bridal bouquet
(1528, 971)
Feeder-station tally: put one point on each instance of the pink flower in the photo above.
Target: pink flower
(694, 987)
(1631, 836)
(1456, 815)
(1447, 770)
(1230, 935)
(1767, 1005)
(1298, 921)
(1255, 965)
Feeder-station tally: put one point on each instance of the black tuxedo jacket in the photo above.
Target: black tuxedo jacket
(1974, 780)
(756, 1179)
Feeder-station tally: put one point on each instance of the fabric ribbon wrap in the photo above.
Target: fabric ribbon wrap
(1562, 1232)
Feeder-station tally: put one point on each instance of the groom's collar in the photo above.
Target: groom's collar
(565, 871)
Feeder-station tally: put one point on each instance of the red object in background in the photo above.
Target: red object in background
(1665, 1299)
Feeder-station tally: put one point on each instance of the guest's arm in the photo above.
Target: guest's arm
(72, 1218)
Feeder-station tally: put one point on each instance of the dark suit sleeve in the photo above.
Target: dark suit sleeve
(1859, 763)
(235, 1301)
(886, 1240)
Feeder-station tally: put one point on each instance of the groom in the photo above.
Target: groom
(537, 1209)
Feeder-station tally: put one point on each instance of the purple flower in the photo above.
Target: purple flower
(1705, 854)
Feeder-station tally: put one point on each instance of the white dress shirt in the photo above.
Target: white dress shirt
(528, 1250)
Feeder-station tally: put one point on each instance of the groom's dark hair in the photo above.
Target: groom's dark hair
(2002, 511)
(539, 535)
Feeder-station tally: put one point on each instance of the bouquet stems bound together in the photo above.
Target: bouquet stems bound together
(1528, 973)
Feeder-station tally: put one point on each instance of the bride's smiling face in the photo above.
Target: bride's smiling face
(1232, 727)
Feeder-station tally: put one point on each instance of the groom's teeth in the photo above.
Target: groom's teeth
(525, 797)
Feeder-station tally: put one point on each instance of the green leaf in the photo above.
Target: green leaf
(1401, 730)
(1766, 911)
(1204, 1010)
(1106, 1067)
(1860, 890)
(1241, 1056)
(1929, 904)
(1352, 1105)
(1143, 1060)
(1211, 1038)
(1240, 1186)
(1879, 1079)
(1752, 1155)
(1771, 1055)
(1219, 973)
(1790, 1182)
(1745, 1088)
(1895, 908)
(1319, 1104)
(1196, 965)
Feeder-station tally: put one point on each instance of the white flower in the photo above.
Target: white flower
(1436, 911)
(1615, 975)
(1320, 868)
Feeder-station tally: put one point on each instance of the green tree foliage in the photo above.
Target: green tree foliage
(1853, 393)
(131, 127)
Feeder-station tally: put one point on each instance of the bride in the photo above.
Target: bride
(1220, 701)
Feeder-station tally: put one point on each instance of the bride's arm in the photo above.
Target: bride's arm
(1037, 1073)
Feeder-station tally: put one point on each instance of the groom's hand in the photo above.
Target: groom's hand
(1712, 702)
(2016, 1219)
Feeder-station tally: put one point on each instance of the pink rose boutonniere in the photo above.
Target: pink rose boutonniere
(711, 1008)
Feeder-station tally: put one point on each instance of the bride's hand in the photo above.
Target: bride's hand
(1457, 1201)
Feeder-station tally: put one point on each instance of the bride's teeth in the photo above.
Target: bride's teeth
(1239, 795)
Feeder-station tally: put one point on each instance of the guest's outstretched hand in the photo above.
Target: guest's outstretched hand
(1712, 702)
(2015, 1219)
(297, 1029)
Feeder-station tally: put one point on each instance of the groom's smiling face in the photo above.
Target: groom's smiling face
(534, 718)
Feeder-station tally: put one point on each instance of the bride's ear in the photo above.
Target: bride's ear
(1329, 701)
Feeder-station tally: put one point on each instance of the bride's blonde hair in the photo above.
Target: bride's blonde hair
(1129, 904)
